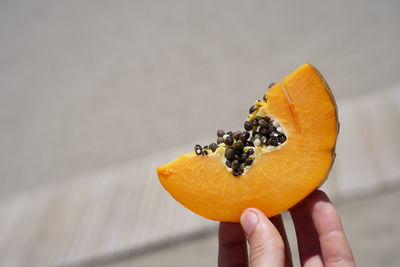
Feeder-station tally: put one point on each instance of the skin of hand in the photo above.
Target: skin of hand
(320, 237)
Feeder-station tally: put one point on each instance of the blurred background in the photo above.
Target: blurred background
(95, 94)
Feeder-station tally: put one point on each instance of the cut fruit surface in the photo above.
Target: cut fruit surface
(292, 159)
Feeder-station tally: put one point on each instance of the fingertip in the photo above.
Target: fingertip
(252, 218)
(260, 225)
(266, 244)
(248, 220)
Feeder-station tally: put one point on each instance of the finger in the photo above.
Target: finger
(307, 237)
(335, 249)
(232, 249)
(266, 244)
(278, 223)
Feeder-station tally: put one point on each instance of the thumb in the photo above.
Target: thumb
(266, 244)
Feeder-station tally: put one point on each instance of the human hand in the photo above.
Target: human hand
(320, 237)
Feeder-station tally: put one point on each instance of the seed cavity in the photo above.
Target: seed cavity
(238, 149)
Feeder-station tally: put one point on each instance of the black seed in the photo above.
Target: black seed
(228, 141)
(237, 172)
(249, 143)
(220, 133)
(282, 138)
(255, 122)
(274, 134)
(213, 147)
(230, 133)
(263, 140)
(248, 126)
(250, 152)
(230, 153)
(220, 140)
(244, 136)
(238, 146)
(265, 98)
(242, 166)
(254, 133)
(264, 131)
(205, 147)
(205, 152)
(243, 157)
(249, 161)
(270, 85)
(198, 150)
(228, 163)
(272, 142)
(263, 123)
(271, 128)
(235, 164)
(236, 135)
(237, 157)
(252, 109)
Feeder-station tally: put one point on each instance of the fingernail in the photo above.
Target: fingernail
(248, 220)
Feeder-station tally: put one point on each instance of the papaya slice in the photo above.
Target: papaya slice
(288, 153)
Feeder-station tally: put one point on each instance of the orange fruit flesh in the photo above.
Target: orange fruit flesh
(303, 104)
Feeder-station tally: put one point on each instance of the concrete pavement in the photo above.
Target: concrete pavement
(90, 84)
(371, 226)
